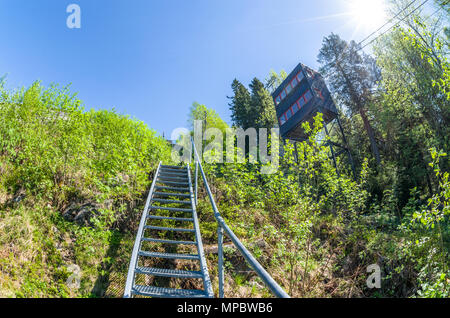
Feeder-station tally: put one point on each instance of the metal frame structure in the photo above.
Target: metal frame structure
(344, 148)
(161, 175)
(320, 101)
(170, 177)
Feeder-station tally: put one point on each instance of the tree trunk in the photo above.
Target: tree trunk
(371, 135)
(356, 99)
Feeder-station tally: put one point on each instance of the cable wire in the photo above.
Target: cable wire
(390, 20)
(395, 25)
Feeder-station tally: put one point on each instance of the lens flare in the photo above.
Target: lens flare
(368, 14)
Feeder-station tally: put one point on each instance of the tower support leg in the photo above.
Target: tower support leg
(350, 158)
(332, 151)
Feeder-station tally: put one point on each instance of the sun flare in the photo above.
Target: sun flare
(368, 14)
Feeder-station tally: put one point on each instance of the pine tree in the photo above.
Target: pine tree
(240, 105)
(252, 109)
(261, 106)
(352, 77)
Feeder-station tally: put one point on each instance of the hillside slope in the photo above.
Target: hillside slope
(71, 190)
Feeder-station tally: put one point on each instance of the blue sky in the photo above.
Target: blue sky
(152, 59)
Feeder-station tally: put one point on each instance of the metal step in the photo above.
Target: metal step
(173, 167)
(174, 172)
(169, 255)
(173, 175)
(154, 240)
(168, 194)
(157, 217)
(152, 291)
(173, 189)
(177, 178)
(171, 179)
(171, 186)
(164, 272)
(154, 207)
(171, 201)
(174, 229)
(173, 183)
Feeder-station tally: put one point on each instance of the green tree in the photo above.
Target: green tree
(274, 80)
(208, 116)
(252, 109)
(352, 76)
(413, 106)
(240, 105)
(262, 105)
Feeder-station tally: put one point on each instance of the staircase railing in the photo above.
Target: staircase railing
(138, 242)
(222, 229)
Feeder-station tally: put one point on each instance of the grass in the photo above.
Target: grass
(37, 246)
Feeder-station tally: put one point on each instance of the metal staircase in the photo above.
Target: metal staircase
(169, 223)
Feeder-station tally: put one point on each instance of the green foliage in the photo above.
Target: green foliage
(324, 229)
(57, 150)
(52, 154)
(208, 116)
(352, 76)
(254, 109)
(274, 80)
(314, 230)
(285, 207)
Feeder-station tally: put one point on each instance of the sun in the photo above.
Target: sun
(368, 14)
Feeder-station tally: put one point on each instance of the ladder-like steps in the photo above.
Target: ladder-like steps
(175, 229)
(194, 257)
(168, 194)
(172, 189)
(174, 172)
(173, 175)
(155, 240)
(164, 272)
(154, 207)
(170, 218)
(173, 181)
(171, 201)
(173, 167)
(183, 184)
(152, 291)
(170, 175)
(171, 186)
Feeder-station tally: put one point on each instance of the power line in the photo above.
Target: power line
(401, 20)
(395, 25)
(436, 11)
(392, 19)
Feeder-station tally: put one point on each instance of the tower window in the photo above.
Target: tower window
(288, 114)
(308, 95)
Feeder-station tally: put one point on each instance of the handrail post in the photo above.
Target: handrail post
(220, 253)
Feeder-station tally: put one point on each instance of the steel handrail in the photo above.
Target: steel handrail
(201, 253)
(137, 243)
(223, 228)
